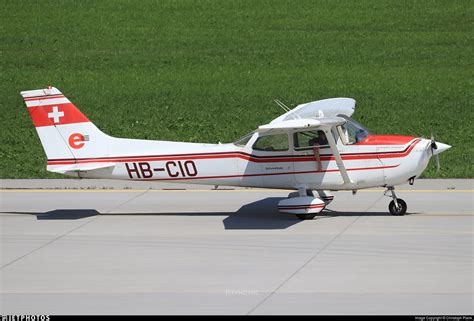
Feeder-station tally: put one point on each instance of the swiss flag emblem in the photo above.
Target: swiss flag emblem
(55, 114)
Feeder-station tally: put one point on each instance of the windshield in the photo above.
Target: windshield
(242, 141)
(354, 132)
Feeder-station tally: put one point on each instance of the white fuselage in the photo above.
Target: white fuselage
(368, 165)
(315, 146)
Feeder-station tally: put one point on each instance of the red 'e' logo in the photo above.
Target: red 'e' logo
(76, 141)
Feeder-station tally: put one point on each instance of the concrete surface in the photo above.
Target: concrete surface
(201, 251)
(75, 183)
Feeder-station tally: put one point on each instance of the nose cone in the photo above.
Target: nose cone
(440, 148)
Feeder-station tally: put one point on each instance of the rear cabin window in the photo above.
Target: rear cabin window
(309, 139)
(272, 143)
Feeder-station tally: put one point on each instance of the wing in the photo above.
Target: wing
(305, 123)
(320, 108)
(325, 124)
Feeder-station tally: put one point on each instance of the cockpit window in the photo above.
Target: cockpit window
(352, 132)
(242, 141)
(272, 143)
(309, 139)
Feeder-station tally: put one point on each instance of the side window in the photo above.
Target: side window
(309, 139)
(352, 132)
(343, 135)
(272, 143)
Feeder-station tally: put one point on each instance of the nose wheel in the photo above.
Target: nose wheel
(397, 206)
(397, 209)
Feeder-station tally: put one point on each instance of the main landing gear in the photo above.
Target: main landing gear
(305, 217)
(397, 206)
(307, 203)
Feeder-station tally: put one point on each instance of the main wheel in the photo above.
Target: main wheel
(306, 216)
(400, 210)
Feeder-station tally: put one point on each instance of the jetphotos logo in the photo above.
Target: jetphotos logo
(77, 140)
(20, 317)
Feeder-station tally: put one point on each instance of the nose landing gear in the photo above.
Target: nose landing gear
(397, 206)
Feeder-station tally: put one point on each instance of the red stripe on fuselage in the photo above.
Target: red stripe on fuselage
(265, 158)
(268, 174)
(245, 156)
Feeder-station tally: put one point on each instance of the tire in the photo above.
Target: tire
(306, 216)
(398, 211)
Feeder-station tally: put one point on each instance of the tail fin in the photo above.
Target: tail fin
(65, 133)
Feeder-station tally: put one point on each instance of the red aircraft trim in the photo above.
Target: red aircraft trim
(269, 174)
(190, 155)
(385, 140)
(300, 207)
(43, 97)
(245, 156)
(66, 114)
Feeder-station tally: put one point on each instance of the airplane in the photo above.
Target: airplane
(315, 149)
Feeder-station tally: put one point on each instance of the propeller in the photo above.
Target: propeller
(433, 148)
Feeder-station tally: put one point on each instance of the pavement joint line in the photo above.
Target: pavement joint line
(46, 244)
(300, 268)
(125, 202)
(71, 190)
(415, 215)
(219, 291)
(69, 232)
(10, 214)
(311, 258)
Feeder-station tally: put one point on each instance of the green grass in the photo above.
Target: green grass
(209, 70)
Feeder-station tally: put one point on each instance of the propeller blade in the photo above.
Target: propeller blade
(437, 163)
(433, 143)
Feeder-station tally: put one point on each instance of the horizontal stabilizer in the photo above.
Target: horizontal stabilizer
(79, 167)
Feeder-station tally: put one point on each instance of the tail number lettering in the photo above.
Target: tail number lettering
(174, 169)
(181, 169)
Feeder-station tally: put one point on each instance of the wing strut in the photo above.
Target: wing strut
(337, 156)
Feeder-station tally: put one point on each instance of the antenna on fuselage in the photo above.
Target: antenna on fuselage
(282, 105)
(285, 108)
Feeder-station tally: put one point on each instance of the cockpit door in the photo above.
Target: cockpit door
(271, 155)
(311, 156)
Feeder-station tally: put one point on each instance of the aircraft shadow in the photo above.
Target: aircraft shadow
(67, 214)
(261, 214)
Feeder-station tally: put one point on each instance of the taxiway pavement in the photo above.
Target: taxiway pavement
(204, 251)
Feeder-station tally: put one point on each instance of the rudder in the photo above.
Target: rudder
(65, 132)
